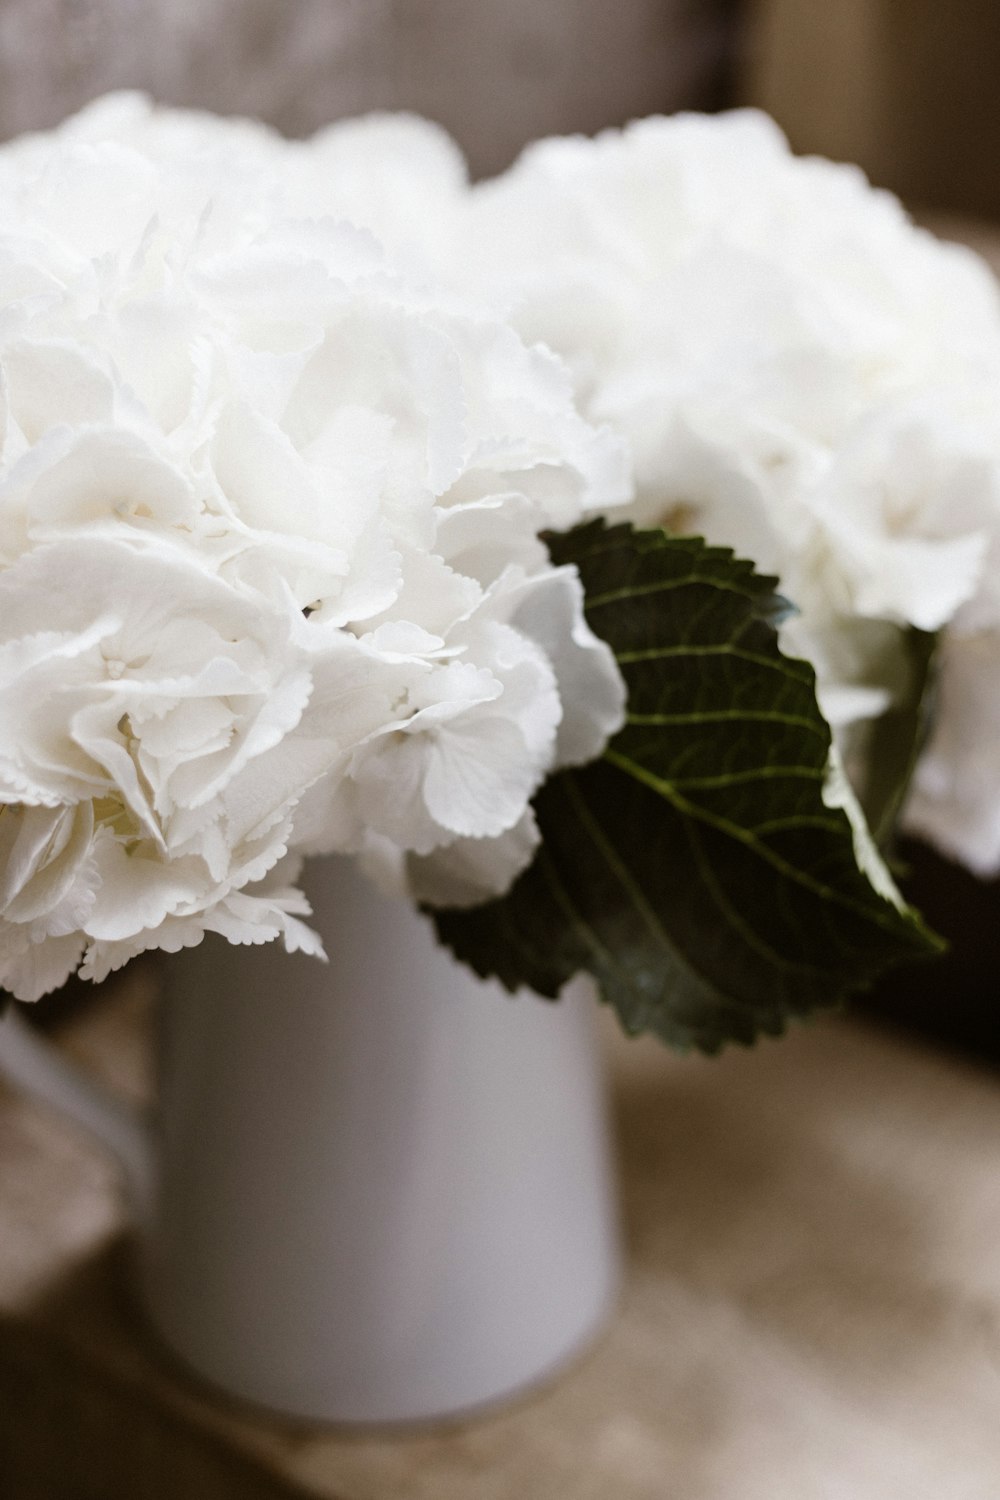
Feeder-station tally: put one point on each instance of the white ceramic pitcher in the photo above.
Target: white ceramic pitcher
(373, 1191)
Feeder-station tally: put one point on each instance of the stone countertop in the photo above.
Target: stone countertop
(812, 1306)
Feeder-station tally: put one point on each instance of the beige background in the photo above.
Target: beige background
(908, 88)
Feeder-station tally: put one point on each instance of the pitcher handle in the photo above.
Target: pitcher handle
(32, 1064)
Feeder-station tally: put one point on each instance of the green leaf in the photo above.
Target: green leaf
(695, 870)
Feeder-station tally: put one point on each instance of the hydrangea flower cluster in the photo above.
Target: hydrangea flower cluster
(801, 374)
(270, 575)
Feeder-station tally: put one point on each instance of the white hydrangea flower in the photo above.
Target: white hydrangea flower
(270, 575)
(801, 374)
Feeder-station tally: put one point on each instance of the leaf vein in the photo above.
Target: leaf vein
(731, 715)
(749, 838)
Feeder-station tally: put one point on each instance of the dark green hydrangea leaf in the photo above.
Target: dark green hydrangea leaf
(695, 870)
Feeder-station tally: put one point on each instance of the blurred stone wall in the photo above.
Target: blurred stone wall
(495, 72)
